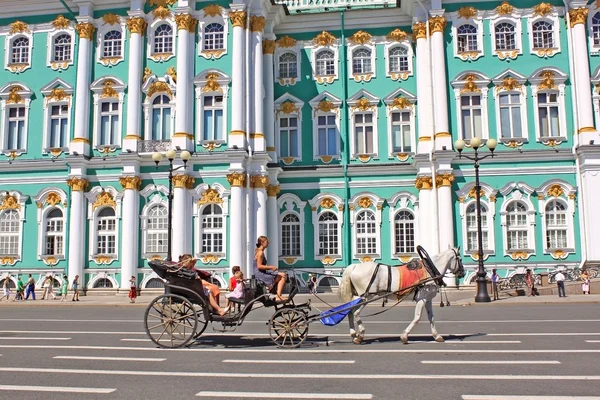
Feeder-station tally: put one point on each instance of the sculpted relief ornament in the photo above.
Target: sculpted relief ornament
(111, 19)
(131, 182)
(14, 97)
(505, 9)
(162, 3)
(268, 46)
(324, 39)
(18, 27)
(467, 12)
(61, 22)
(212, 10)
(397, 35)
(10, 203)
(286, 42)
(210, 196)
(137, 25)
(237, 179)
(238, 19)
(578, 16)
(360, 37)
(547, 81)
(470, 85)
(104, 199)
(419, 30)
(542, 9)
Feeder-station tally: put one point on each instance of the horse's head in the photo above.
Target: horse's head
(457, 267)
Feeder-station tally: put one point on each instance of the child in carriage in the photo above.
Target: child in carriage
(238, 291)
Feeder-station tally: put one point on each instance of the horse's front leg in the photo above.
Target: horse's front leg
(360, 335)
(416, 319)
(429, 307)
(352, 325)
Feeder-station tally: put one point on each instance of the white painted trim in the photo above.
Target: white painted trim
(314, 51)
(153, 196)
(372, 109)
(200, 89)
(559, 82)
(477, 22)
(93, 219)
(151, 32)
(48, 103)
(389, 101)
(97, 88)
(365, 76)
(518, 191)
(297, 113)
(522, 92)
(567, 198)
(148, 106)
(482, 82)
(8, 47)
(317, 211)
(552, 18)
(52, 35)
(42, 213)
(375, 208)
(203, 21)
(515, 20)
(289, 203)
(316, 113)
(25, 94)
(197, 210)
(279, 51)
(404, 75)
(21, 200)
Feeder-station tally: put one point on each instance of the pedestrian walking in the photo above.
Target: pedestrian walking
(48, 288)
(20, 289)
(75, 288)
(529, 281)
(312, 284)
(64, 287)
(30, 288)
(5, 288)
(495, 281)
(559, 277)
(585, 282)
(132, 290)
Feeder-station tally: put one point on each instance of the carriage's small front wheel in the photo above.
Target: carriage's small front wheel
(288, 327)
(170, 321)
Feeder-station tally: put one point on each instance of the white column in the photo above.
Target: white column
(273, 224)
(424, 184)
(445, 215)
(77, 229)
(587, 198)
(259, 184)
(182, 212)
(186, 28)
(137, 28)
(425, 108)
(586, 131)
(81, 139)
(257, 24)
(237, 231)
(437, 24)
(237, 136)
(269, 101)
(130, 230)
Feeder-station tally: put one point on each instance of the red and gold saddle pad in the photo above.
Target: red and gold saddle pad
(410, 277)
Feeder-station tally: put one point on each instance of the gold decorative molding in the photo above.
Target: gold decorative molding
(183, 181)
(210, 196)
(213, 53)
(578, 16)
(547, 81)
(363, 104)
(85, 30)
(572, 196)
(360, 37)
(492, 199)
(397, 35)
(108, 91)
(505, 8)
(273, 190)
(473, 193)
(130, 182)
(326, 159)
(186, 22)
(289, 260)
(268, 46)
(288, 107)
(7, 261)
(444, 179)
(400, 103)
(161, 13)
(155, 258)
(423, 182)
(60, 22)
(403, 156)
(104, 199)
(102, 260)
(259, 181)
(162, 3)
(209, 259)
(470, 85)
(559, 254)
(366, 259)
(328, 260)
(324, 39)
(324, 79)
(257, 23)
(172, 73)
(111, 19)
(13, 96)
(237, 179)
(327, 202)
(147, 74)
(212, 10)
(419, 30)
(212, 85)
(10, 203)
(467, 12)
(136, 25)
(53, 199)
(325, 106)
(238, 18)
(555, 191)
(18, 27)
(109, 60)
(365, 202)
(286, 42)
(78, 184)
(586, 129)
(17, 67)
(363, 158)
(519, 255)
(542, 9)
(503, 55)
(437, 24)
(545, 52)
(58, 94)
(509, 83)
(159, 87)
(50, 261)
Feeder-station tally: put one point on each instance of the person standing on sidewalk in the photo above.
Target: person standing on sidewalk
(5, 288)
(585, 282)
(560, 283)
(30, 288)
(20, 289)
(75, 287)
(64, 287)
(529, 281)
(132, 290)
(495, 281)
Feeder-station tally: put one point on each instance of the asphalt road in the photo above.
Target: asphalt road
(103, 353)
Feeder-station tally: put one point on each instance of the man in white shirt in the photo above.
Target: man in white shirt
(560, 282)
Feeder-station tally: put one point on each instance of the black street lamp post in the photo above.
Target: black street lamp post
(157, 157)
(482, 295)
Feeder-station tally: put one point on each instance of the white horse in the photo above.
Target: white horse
(357, 277)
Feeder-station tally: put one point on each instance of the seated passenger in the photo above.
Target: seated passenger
(267, 274)
(238, 291)
(210, 290)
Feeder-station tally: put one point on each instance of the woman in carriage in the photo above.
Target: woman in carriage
(210, 290)
(267, 274)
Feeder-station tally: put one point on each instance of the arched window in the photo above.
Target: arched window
(505, 37)
(10, 232)
(556, 225)
(156, 235)
(106, 231)
(596, 29)
(54, 233)
(163, 39)
(404, 232)
(543, 35)
(155, 283)
(325, 63)
(62, 48)
(211, 227)
(516, 226)
(112, 44)
(288, 65)
(20, 51)
(328, 234)
(471, 220)
(214, 37)
(361, 61)
(161, 118)
(103, 283)
(398, 59)
(366, 233)
(290, 235)
(467, 38)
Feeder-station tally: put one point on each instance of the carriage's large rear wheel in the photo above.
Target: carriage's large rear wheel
(288, 327)
(170, 321)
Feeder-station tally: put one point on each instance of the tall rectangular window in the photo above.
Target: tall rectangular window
(327, 135)
(288, 137)
(109, 122)
(363, 133)
(510, 116)
(213, 118)
(290, 236)
(16, 128)
(548, 117)
(401, 134)
(59, 118)
(471, 116)
(106, 232)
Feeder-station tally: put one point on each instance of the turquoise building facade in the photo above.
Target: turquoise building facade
(328, 127)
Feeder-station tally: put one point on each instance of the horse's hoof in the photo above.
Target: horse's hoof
(404, 338)
(357, 340)
(439, 339)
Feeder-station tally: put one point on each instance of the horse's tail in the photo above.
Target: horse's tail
(345, 289)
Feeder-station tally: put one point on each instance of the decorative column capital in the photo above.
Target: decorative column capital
(237, 179)
(137, 25)
(419, 30)
(257, 23)
(259, 181)
(78, 184)
(85, 30)
(269, 46)
(437, 24)
(578, 16)
(238, 18)
(183, 181)
(444, 179)
(273, 190)
(130, 182)
(423, 183)
(186, 22)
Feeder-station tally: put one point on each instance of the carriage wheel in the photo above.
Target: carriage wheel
(170, 321)
(202, 322)
(288, 327)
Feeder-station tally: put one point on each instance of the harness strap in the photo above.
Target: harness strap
(372, 278)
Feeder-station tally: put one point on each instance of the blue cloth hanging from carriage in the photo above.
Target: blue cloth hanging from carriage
(336, 315)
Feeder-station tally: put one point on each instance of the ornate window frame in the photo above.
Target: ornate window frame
(290, 106)
(321, 203)
(18, 29)
(549, 80)
(511, 16)
(467, 16)
(211, 82)
(12, 95)
(562, 191)
(398, 38)
(98, 199)
(402, 101)
(212, 14)
(56, 93)
(550, 14)
(518, 191)
(111, 22)
(153, 87)
(363, 102)
(325, 104)
(161, 16)
(289, 203)
(593, 10)
(204, 196)
(285, 45)
(154, 195)
(402, 201)
(14, 200)
(60, 26)
(511, 82)
(470, 83)
(360, 202)
(466, 197)
(112, 89)
(49, 199)
(361, 40)
(325, 41)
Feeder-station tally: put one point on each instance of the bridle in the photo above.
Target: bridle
(460, 269)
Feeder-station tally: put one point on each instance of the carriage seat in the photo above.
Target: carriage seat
(248, 294)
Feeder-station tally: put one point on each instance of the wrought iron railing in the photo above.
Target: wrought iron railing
(150, 146)
(295, 5)
(571, 275)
